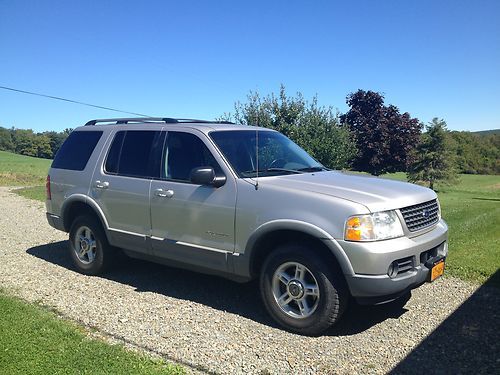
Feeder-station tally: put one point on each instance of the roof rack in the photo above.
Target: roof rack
(143, 120)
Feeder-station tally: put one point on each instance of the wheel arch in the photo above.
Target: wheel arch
(280, 232)
(78, 205)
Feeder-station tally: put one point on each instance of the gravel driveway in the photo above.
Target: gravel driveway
(210, 324)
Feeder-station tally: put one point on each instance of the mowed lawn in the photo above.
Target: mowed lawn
(19, 170)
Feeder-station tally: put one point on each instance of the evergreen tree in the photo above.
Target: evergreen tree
(433, 158)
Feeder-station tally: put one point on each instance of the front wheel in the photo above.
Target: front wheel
(301, 291)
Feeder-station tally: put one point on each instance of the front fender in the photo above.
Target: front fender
(244, 261)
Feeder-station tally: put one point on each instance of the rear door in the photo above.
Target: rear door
(121, 186)
(192, 223)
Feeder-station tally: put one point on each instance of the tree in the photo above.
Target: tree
(385, 138)
(314, 128)
(25, 142)
(476, 154)
(6, 143)
(56, 140)
(433, 158)
(43, 146)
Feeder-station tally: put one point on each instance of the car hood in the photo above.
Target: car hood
(375, 193)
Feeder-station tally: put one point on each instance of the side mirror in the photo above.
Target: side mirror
(206, 176)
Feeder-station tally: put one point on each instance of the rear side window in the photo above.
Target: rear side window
(76, 150)
(133, 153)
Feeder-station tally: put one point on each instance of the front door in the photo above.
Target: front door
(192, 223)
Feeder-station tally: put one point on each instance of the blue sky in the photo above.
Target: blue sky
(196, 58)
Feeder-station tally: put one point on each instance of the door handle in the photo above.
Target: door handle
(101, 185)
(164, 193)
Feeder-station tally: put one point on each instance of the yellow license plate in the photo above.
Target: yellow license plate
(437, 270)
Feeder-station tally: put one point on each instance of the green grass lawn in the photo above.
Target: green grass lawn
(19, 170)
(33, 192)
(34, 340)
(472, 210)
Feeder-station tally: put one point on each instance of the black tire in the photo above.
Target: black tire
(333, 294)
(104, 254)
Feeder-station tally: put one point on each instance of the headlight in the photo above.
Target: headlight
(373, 227)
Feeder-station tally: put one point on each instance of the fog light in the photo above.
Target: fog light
(393, 269)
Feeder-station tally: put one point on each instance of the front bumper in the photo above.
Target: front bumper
(371, 283)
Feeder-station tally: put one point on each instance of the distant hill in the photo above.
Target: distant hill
(488, 132)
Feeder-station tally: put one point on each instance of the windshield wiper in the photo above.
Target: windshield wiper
(294, 171)
(313, 169)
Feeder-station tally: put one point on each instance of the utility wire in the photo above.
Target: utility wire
(71, 101)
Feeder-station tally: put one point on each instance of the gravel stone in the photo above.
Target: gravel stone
(209, 324)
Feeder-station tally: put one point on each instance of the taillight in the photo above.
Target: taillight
(47, 188)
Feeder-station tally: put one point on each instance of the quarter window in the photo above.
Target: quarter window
(75, 152)
(114, 153)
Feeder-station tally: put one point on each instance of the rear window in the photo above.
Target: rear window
(76, 150)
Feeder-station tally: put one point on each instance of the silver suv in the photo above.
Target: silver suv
(243, 202)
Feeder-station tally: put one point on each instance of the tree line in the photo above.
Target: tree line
(370, 137)
(27, 142)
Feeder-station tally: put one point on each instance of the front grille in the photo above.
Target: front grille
(420, 216)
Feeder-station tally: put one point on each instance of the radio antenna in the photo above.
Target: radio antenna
(257, 152)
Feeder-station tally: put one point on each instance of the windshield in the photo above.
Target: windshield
(278, 155)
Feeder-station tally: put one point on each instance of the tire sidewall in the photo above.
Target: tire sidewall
(97, 266)
(332, 294)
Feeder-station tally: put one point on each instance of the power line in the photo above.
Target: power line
(71, 101)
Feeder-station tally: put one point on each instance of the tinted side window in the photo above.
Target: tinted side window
(113, 157)
(185, 151)
(137, 153)
(76, 150)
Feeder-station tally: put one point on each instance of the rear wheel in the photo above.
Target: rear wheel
(301, 291)
(89, 248)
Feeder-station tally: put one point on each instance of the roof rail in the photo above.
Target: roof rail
(141, 120)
